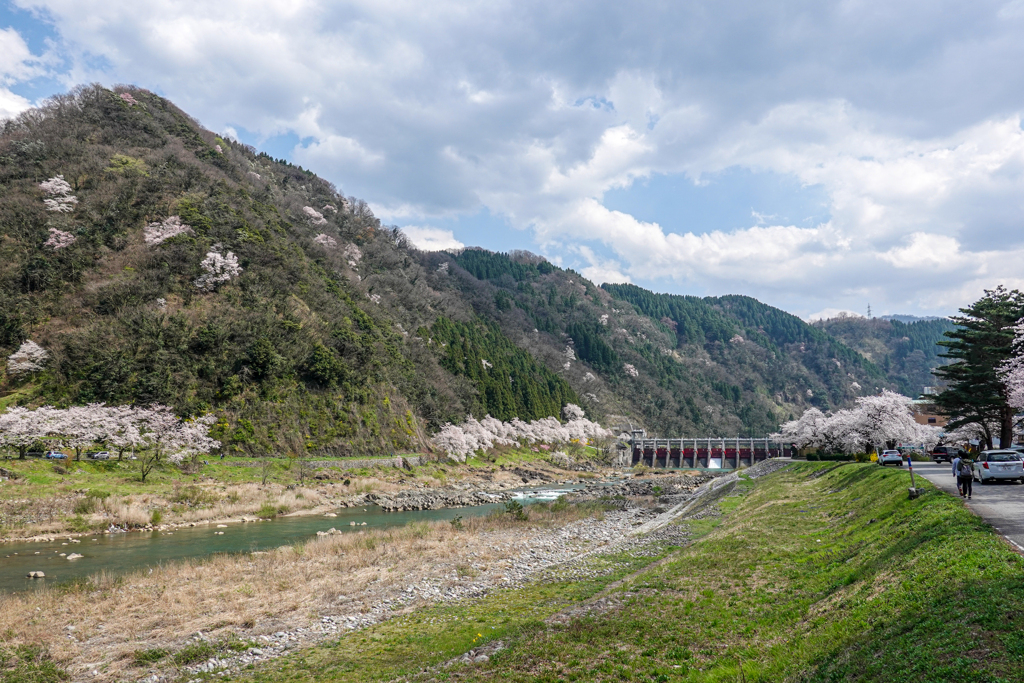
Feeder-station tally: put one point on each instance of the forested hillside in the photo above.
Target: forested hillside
(906, 351)
(157, 263)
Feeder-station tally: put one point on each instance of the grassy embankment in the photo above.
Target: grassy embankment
(829, 578)
(77, 496)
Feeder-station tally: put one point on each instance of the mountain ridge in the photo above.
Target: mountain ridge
(336, 334)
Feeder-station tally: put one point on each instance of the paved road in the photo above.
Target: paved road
(1000, 504)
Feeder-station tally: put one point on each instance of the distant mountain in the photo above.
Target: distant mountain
(906, 351)
(911, 318)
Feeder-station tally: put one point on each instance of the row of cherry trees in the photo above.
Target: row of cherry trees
(876, 421)
(155, 431)
(474, 435)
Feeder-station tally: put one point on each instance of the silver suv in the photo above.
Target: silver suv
(999, 465)
(891, 458)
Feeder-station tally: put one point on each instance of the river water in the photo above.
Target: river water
(120, 553)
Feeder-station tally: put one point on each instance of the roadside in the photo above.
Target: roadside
(1001, 504)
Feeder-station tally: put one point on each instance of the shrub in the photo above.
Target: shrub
(85, 506)
(457, 523)
(196, 652)
(515, 509)
(156, 518)
(147, 657)
(267, 511)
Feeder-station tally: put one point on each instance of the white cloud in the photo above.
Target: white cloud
(431, 239)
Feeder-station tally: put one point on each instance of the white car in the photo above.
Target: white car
(998, 465)
(891, 458)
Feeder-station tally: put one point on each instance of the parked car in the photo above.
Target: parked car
(946, 453)
(890, 458)
(99, 455)
(998, 466)
(55, 455)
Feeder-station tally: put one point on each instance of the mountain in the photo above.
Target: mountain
(911, 318)
(158, 263)
(906, 351)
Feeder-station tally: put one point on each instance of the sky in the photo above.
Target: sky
(819, 156)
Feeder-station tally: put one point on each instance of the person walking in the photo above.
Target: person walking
(956, 473)
(966, 478)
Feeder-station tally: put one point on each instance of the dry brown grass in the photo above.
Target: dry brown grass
(250, 595)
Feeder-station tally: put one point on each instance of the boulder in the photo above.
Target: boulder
(74, 556)
(36, 575)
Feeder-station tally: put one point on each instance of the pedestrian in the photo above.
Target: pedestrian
(956, 472)
(966, 478)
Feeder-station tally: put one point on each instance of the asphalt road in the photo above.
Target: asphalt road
(1000, 504)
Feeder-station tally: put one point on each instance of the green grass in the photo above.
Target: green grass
(796, 583)
(29, 664)
(812, 579)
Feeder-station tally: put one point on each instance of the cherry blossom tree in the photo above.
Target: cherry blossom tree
(352, 254)
(191, 439)
(29, 358)
(60, 198)
(59, 239)
(572, 412)
(630, 370)
(326, 241)
(1012, 371)
(313, 216)
(161, 231)
(219, 268)
(452, 441)
(128, 99)
(20, 428)
(882, 420)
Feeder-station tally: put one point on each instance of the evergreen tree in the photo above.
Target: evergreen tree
(981, 342)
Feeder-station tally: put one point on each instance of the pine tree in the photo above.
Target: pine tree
(977, 347)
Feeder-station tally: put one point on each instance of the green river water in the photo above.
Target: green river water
(120, 553)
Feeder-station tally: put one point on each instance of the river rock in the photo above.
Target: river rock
(429, 499)
(36, 575)
(74, 556)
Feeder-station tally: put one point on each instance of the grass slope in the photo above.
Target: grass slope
(818, 573)
(834, 578)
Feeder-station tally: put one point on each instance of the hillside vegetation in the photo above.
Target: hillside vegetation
(906, 350)
(334, 335)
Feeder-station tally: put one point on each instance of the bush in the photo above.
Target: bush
(267, 511)
(812, 457)
(85, 506)
(156, 518)
(515, 509)
(147, 657)
(196, 652)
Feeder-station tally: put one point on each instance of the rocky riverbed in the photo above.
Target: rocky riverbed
(561, 554)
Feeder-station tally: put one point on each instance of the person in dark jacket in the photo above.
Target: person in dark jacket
(966, 478)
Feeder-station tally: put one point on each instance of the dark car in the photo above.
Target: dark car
(945, 453)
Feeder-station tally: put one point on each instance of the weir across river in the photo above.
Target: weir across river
(706, 453)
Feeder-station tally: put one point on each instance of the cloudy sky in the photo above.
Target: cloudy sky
(818, 156)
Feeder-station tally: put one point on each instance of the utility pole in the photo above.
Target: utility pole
(869, 311)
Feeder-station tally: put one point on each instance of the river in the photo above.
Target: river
(120, 553)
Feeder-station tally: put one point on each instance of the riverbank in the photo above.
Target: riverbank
(819, 572)
(45, 500)
(298, 595)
